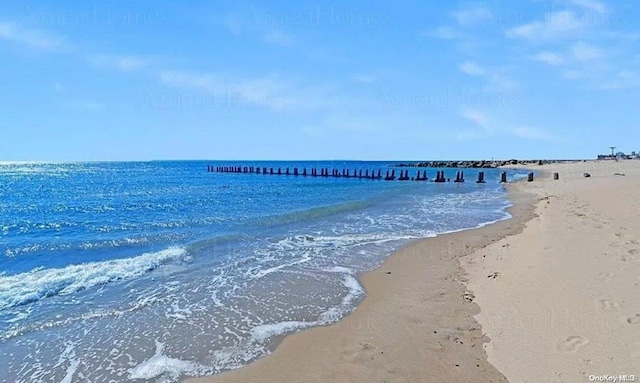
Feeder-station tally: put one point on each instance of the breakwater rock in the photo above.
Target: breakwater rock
(478, 164)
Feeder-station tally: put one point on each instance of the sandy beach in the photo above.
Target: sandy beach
(550, 295)
(565, 298)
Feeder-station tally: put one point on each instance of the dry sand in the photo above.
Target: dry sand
(565, 303)
(558, 294)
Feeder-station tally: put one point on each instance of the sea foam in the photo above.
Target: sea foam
(23, 288)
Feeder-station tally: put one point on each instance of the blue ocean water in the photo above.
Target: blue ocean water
(152, 271)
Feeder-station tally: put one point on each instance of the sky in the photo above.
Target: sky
(295, 80)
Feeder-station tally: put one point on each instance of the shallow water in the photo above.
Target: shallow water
(154, 271)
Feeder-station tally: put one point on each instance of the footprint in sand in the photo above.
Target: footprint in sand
(608, 306)
(633, 255)
(634, 319)
(572, 344)
(604, 276)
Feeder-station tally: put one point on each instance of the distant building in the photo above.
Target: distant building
(619, 156)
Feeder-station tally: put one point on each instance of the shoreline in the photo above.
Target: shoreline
(416, 320)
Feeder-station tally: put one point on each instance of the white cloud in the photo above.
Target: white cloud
(574, 74)
(472, 68)
(445, 33)
(624, 79)
(33, 38)
(234, 23)
(549, 58)
(256, 28)
(591, 5)
(278, 38)
(499, 83)
(481, 120)
(531, 134)
(621, 35)
(265, 92)
(467, 135)
(584, 52)
(472, 16)
(126, 63)
(89, 106)
(476, 117)
(364, 79)
(556, 25)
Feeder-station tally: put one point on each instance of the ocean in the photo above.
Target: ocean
(154, 271)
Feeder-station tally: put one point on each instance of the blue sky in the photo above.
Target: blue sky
(312, 80)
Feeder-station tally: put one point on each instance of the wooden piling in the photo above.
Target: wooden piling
(530, 177)
(556, 176)
(503, 177)
(480, 178)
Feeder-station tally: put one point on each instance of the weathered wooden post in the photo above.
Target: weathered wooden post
(503, 177)
(379, 173)
(480, 178)
(530, 177)
(287, 173)
(556, 176)
(295, 171)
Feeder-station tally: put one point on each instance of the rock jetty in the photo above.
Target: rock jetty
(479, 164)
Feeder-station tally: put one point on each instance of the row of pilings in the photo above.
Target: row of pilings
(390, 175)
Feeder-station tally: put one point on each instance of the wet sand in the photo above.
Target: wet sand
(415, 325)
(552, 295)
